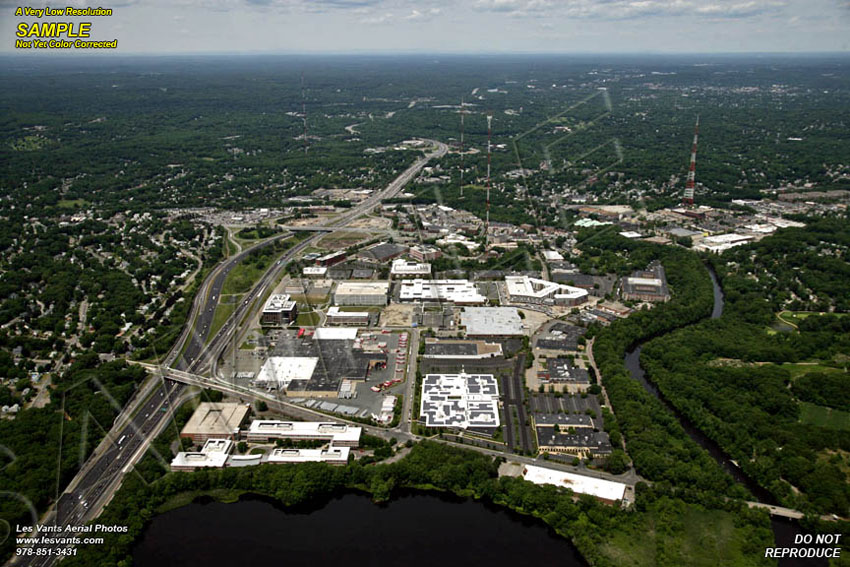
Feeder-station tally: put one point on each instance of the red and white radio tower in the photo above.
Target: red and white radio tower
(487, 221)
(688, 197)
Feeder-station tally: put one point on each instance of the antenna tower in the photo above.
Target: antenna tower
(688, 197)
(304, 111)
(487, 221)
(461, 146)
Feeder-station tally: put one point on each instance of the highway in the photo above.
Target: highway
(148, 413)
(203, 307)
(93, 487)
(224, 337)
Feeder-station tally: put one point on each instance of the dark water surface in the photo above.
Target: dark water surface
(415, 530)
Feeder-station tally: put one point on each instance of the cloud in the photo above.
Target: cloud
(377, 19)
(628, 9)
(416, 15)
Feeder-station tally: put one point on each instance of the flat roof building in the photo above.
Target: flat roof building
(314, 271)
(424, 253)
(606, 490)
(647, 285)
(460, 349)
(333, 456)
(461, 292)
(215, 420)
(460, 400)
(492, 322)
(561, 336)
(722, 242)
(279, 311)
(383, 252)
(348, 318)
(524, 289)
(339, 434)
(362, 293)
(213, 455)
(331, 334)
(560, 371)
(278, 372)
(581, 442)
(405, 268)
(330, 259)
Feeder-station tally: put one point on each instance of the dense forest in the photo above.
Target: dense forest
(661, 450)
(146, 134)
(743, 383)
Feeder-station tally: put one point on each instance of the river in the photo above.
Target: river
(784, 530)
(415, 530)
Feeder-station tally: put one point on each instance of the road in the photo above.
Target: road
(143, 418)
(93, 487)
(406, 421)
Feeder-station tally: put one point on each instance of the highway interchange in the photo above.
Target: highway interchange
(151, 409)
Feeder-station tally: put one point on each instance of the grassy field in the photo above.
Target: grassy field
(343, 239)
(71, 203)
(812, 414)
(307, 319)
(222, 312)
(241, 278)
(793, 318)
(707, 538)
(800, 368)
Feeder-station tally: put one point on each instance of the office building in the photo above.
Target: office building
(279, 311)
(362, 293)
(460, 292)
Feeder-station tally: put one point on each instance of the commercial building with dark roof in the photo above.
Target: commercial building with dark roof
(583, 443)
(561, 336)
(383, 252)
(647, 285)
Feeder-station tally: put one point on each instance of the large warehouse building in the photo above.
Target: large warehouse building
(492, 322)
(362, 293)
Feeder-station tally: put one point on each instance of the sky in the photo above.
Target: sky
(459, 26)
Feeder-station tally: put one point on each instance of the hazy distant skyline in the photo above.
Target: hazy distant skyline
(574, 26)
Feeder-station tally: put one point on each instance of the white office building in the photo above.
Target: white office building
(214, 454)
(331, 455)
(460, 400)
(339, 434)
(461, 292)
(406, 268)
(523, 289)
